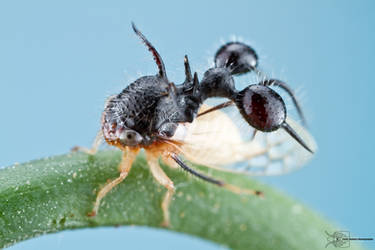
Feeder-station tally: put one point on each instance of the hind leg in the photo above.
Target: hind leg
(126, 162)
(169, 161)
(161, 178)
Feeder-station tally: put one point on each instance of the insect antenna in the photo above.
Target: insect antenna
(294, 134)
(154, 52)
(284, 86)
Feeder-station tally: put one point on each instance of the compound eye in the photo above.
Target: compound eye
(238, 57)
(130, 138)
(261, 107)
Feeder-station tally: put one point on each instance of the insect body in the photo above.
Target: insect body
(167, 119)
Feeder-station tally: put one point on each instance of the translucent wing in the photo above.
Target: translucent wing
(224, 141)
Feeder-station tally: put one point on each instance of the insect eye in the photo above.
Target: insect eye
(261, 107)
(130, 138)
(238, 57)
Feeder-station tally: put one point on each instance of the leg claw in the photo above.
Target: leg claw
(165, 224)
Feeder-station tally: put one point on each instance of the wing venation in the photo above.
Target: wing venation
(222, 141)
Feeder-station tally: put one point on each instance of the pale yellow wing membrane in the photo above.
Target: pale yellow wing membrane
(215, 140)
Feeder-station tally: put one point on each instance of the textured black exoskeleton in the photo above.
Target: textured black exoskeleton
(151, 107)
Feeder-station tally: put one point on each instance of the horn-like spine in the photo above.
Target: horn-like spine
(154, 52)
(294, 134)
(187, 69)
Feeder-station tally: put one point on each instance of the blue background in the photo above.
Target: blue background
(60, 60)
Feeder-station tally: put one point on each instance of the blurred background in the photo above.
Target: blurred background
(60, 60)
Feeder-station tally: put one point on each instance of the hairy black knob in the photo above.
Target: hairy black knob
(261, 107)
(238, 57)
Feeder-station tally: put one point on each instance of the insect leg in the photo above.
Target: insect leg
(98, 138)
(124, 167)
(170, 162)
(220, 183)
(95, 146)
(162, 178)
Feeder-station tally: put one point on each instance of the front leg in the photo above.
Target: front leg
(95, 146)
(162, 178)
(125, 165)
(98, 139)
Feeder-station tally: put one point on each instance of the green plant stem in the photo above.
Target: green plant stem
(55, 194)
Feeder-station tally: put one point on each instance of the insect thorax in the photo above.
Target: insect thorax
(144, 106)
